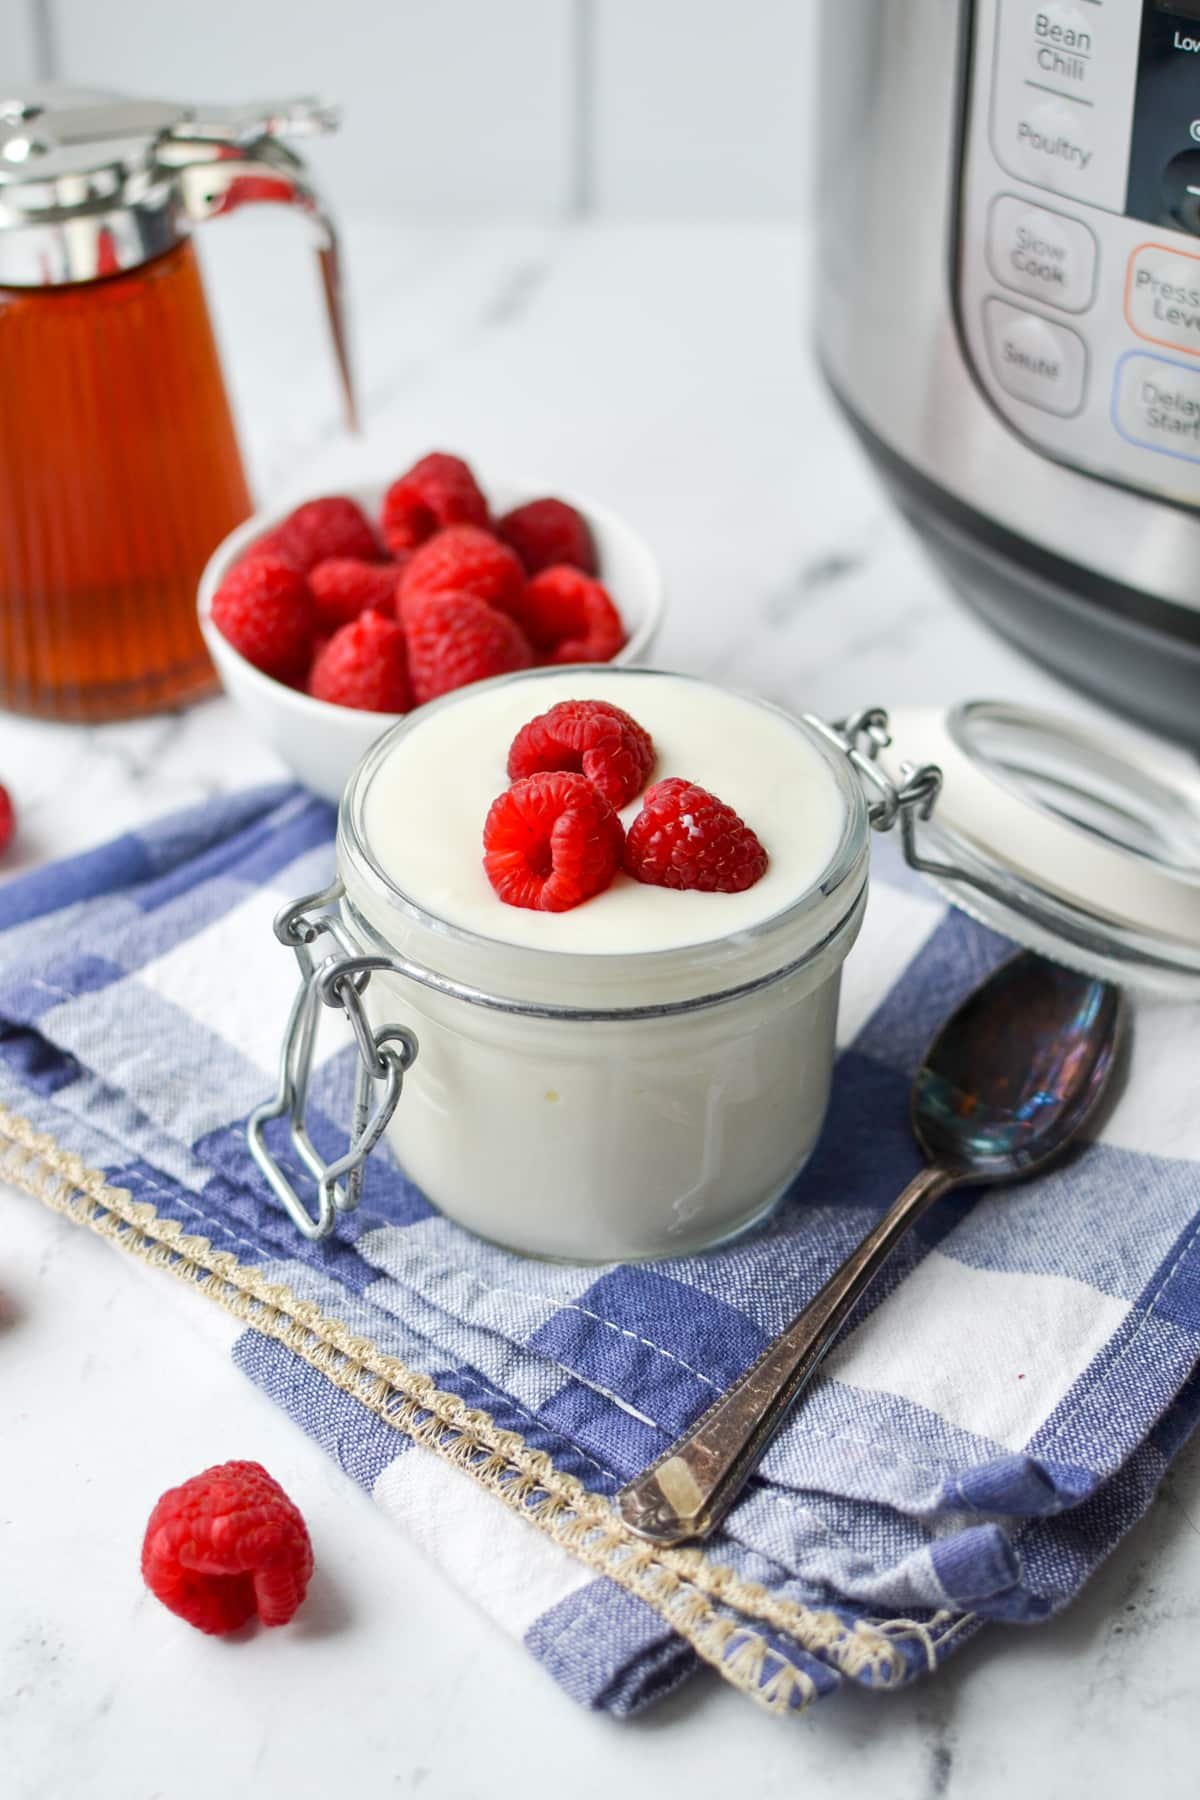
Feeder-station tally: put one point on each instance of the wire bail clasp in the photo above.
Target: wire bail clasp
(385, 1055)
(861, 738)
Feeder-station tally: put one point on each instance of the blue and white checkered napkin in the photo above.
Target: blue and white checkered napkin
(999, 1413)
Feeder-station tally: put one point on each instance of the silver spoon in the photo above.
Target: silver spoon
(1009, 1081)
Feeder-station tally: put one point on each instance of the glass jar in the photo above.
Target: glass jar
(593, 1107)
(601, 1107)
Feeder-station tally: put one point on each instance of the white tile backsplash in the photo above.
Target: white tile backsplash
(18, 42)
(451, 106)
(470, 108)
(703, 107)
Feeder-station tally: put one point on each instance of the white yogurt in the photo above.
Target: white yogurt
(425, 810)
(618, 1136)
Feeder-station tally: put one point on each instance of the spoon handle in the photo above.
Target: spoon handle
(689, 1490)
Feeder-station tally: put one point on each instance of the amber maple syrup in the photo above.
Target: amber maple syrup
(119, 474)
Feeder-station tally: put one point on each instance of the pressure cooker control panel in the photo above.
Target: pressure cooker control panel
(1079, 232)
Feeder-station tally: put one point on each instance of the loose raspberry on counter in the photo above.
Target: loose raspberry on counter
(439, 490)
(344, 586)
(551, 842)
(364, 665)
(320, 530)
(568, 618)
(684, 837)
(592, 738)
(265, 609)
(455, 638)
(545, 532)
(462, 559)
(226, 1545)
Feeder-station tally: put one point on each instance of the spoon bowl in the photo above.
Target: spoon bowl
(1017, 1071)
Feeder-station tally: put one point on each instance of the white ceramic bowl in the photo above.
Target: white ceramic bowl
(322, 744)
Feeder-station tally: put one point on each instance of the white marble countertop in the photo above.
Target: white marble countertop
(664, 369)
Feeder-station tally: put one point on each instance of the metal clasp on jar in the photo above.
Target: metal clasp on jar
(384, 1057)
(910, 802)
(860, 738)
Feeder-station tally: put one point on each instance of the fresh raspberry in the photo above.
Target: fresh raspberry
(343, 587)
(8, 819)
(320, 530)
(226, 1545)
(462, 560)
(545, 532)
(455, 638)
(365, 665)
(568, 617)
(551, 842)
(265, 609)
(592, 738)
(437, 491)
(684, 837)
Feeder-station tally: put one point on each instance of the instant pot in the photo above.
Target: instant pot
(1008, 309)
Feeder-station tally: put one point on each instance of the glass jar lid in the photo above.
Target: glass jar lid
(1081, 844)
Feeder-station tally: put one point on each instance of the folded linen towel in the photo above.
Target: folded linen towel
(998, 1413)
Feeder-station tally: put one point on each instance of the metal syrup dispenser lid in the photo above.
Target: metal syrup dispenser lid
(1081, 844)
(93, 184)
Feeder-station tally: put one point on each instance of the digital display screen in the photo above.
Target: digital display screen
(1183, 9)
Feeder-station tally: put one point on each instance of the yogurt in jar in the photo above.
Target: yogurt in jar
(644, 1074)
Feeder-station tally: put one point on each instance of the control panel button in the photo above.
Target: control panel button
(1156, 403)
(1063, 87)
(1042, 253)
(1162, 297)
(1055, 147)
(1062, 46)
(1034, 359)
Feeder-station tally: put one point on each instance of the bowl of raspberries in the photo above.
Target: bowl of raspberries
(330, 620)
